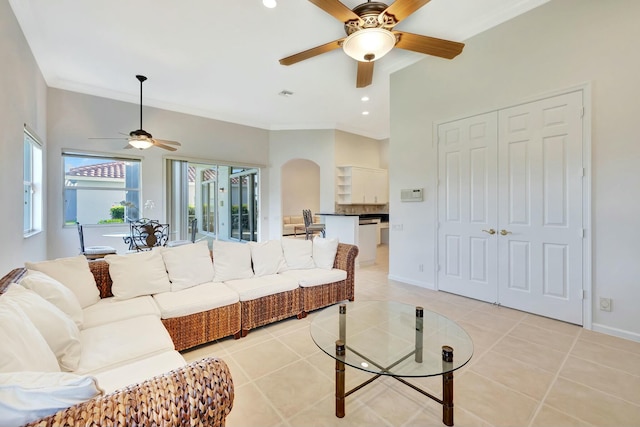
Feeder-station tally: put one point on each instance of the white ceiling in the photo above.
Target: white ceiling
(219, 59)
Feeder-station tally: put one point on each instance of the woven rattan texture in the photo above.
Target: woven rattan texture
(199, 394)
(271, 308)
(13, 276)
(199, 328)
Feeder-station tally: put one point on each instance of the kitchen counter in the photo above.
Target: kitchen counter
(348, 229)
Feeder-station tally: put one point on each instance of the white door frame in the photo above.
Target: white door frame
(587, 284)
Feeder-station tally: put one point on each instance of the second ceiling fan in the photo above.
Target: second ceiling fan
(370, 35)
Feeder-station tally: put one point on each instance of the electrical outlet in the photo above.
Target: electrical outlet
(421, 268)
(605, 304)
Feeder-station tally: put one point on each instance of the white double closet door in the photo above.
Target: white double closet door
(510, 207)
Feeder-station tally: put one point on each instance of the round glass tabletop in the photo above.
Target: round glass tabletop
(392, 338)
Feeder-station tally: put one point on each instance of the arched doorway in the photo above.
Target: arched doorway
(300, 187)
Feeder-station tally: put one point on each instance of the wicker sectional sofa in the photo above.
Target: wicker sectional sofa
(136, 329)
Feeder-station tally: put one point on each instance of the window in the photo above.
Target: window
(100, 190)
(33, 193)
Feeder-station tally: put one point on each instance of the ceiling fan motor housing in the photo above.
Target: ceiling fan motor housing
(371, 17)
(140, 134)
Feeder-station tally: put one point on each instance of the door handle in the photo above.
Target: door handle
(505, 232)
(490, 231)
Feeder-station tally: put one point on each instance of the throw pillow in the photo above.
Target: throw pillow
(298, 254)
(188, 265)
(59, 330)
(267, 257)
(324, 252)
(74, 273)
(231, 260)
(28, 396)
(54, 292)
(136, 274)
(23, 347)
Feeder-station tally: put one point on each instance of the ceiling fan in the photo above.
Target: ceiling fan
(369, 27)
(142, 139)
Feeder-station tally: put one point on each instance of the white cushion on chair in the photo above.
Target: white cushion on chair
(298, 253)
(136, 274)
(54, 292)
(258, 287)
(197, 299)
(74, 273)
(188, 265)
(267, 257)
(112, 309)
(324, 252)
(316, 276)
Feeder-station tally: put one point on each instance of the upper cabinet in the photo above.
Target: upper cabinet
(362, 186)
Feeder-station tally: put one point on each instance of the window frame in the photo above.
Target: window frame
(33, 204)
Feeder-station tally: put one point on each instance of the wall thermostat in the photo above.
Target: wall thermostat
(411, 195)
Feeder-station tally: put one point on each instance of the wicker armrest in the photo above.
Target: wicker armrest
(346, 258)
(199, 394)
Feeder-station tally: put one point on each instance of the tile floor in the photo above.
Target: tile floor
(526, 371)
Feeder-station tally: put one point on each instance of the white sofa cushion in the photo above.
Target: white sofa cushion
(324, 252)
(135, 274)
(298, 253)
(257, 287)
(74, 273)
(112, 309)
(316, 276)
(188, 265)
(203, 297)
(29, 396)
(267, 257)
(59, 330)
(54, 292)
(231, 260)
(139, 371)
(113, 344)
(22, 346)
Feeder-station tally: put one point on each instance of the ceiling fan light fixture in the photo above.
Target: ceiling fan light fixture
(369, 44)
(142, 143)
(269, 3)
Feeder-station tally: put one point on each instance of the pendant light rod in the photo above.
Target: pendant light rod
(141, 79)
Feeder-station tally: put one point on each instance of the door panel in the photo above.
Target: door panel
(467, 204)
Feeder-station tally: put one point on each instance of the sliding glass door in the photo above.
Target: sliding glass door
(244, 204)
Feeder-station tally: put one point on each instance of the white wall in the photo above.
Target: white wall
(23, 98)
(73, 118)
(356, 150)
(300, 187)
(555, 46)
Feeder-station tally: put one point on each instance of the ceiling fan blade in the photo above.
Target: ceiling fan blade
(128, 146)
(365, 74)
(400, 9)
(428, 45)
(121, 139)
(310, 53)
(337, 10)
(166, 142)
(160, 145)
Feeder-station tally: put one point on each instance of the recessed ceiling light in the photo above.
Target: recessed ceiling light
(269, 3)
(364, 99)
(365, 113)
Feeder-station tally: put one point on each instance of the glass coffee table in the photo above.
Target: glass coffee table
(392, 339)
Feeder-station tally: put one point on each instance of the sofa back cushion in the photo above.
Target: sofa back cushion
(267, 257)
(74, 273)
(188, 265)
(23, 347)
(298, 254)
(231, 260)
(324, 252)
(136, 274)
(54, 292)
(59, 330)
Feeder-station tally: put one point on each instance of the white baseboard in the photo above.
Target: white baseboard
(621, 333)
(419, 283)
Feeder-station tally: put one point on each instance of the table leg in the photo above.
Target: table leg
(342, 333)
(340, 350)
(419, 329)
(447, 386)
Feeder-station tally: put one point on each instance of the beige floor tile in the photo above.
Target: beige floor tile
(208, 350)
(523, 377)
(552, 325)
(322, 414)
(531, 353)
(549, 417)
(613, 381)
(483, 339)
(265, 358)
(388, 403)
(610, 341)
(608, 356)
(590, 405)
(551, 339)
(295, 387)
(498, 310)
(251, 408)
(299, 341)
(489, 321)
(493, 402)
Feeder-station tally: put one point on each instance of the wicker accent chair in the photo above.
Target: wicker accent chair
(199, 394)
(145, 236)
